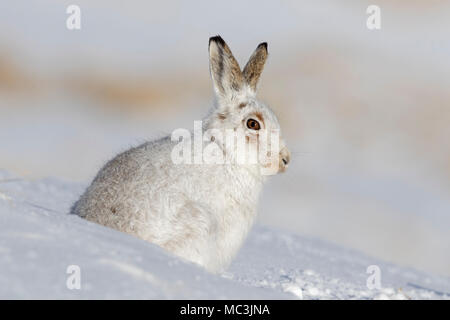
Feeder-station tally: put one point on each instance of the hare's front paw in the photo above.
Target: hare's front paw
(193, 230)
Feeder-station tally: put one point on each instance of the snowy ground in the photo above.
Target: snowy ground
(365, 113)
(39, 240)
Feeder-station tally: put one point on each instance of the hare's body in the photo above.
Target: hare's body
(143, 193)
(201, 212)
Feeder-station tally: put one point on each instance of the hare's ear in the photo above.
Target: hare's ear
(225, 71)
(255, 66)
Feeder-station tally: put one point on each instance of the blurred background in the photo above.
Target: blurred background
(366, 113)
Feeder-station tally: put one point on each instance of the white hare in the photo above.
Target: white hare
(200, 212)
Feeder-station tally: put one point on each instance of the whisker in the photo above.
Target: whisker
(302, 153)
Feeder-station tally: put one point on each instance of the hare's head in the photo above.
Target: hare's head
(238, 109)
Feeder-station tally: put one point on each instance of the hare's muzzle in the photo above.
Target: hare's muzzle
(285, 158)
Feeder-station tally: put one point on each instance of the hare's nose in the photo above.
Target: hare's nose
(285, 158)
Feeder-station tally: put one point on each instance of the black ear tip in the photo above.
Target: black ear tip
(264, 44)
(218, 39)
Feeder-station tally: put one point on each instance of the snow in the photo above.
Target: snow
(39, 240)
(363, 112)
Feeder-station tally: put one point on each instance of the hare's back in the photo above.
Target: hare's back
(137, 163)
(126, 180)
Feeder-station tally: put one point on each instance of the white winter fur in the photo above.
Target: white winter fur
(199, 212)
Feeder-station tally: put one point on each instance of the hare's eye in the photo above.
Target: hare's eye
(253, 124)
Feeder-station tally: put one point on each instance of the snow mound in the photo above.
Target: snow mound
(39, 240)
